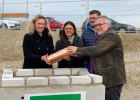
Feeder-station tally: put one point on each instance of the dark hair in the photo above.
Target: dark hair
(63, 41)
(72, 24)
(95, 12)
(60, 34)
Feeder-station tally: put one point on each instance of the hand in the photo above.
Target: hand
(72, 50)
(44, 58)
(67, 58)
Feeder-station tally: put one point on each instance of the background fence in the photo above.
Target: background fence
(123, 11)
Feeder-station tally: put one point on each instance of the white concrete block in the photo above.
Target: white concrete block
(96, 78)
(7, 73)
(62, 71)
(83, 71)
(59, 80)
(32, 81)
(75, 71)
(43, 72)
(7, 70)
(80, 80)
(24, 72)
(13, 82)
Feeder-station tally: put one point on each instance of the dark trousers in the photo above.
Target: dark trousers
(113, 93)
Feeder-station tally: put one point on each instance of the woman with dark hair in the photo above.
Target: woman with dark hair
(69, 37)
(37, 44)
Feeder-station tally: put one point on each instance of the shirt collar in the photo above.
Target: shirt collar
(71, 39)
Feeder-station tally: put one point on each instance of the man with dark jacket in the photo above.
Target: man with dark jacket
(88, 35)
(108, 57)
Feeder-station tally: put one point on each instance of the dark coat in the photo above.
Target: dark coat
(88, 36)
(108, 58)
(75, 62)
(34, 47)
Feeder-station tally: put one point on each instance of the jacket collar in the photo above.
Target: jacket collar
(71, 39)
(109, 31)
(44, 34)
(76, 39)
(90, 27)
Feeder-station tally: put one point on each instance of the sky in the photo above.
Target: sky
(123, 11)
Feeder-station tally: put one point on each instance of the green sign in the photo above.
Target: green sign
(57, 96)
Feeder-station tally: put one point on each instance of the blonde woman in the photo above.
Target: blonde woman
(37, 44)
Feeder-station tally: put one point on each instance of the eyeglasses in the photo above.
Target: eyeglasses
(68, 28)
(99, 25)
(92, 18)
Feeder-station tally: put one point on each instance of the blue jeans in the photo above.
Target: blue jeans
(113, 93)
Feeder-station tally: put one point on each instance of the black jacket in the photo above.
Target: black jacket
(35, 46)
(75, 61)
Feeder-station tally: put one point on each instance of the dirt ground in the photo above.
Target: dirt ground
(11, 56)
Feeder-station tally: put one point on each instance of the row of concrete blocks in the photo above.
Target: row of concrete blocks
(48, 77)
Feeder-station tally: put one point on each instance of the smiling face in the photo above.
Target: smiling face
(101, 26)
(92, 18)
(69, 31)
(40, 26)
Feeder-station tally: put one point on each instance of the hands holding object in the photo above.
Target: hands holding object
(59, 55)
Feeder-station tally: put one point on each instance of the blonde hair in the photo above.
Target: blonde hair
(32, 24)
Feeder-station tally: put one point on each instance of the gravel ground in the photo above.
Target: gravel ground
(11, 56)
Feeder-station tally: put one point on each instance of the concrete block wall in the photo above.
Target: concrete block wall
(59, 80)
(48, 77)
(36, 81)
(11, 82)
(53, 80)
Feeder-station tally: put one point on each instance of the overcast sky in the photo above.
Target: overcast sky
(124, 11)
